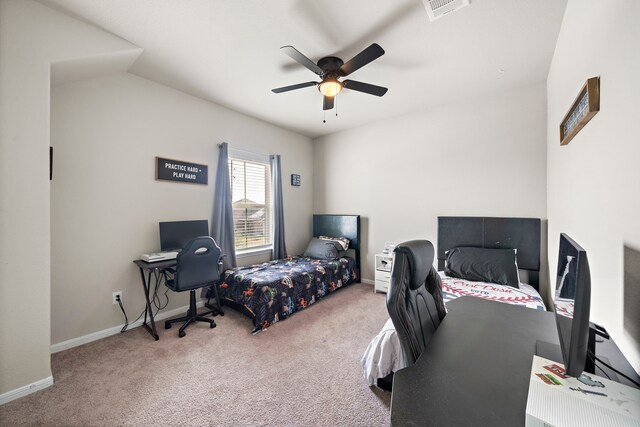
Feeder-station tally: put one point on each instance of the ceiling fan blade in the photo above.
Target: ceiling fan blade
(371, 53)
(301, 59)
(365, 87)
(293, 87)
(394, 20)
(327, 103)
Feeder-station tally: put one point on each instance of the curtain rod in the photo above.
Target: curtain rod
(247, 152)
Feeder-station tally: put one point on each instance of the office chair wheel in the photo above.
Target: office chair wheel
(212, 324)
(167, 325)
(181, 334)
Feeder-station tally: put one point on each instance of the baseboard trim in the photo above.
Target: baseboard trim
(25, 390)
(368, 281)
(85, 339)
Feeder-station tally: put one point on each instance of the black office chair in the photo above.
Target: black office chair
(414, 298)
(197, 265)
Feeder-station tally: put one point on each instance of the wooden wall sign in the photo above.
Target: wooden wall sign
(585, 106)
(175, 170)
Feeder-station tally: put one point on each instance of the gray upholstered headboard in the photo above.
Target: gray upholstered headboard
(340, 225)
(522, 234)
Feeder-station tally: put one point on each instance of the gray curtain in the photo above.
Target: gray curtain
(222, 222)
(279, 247)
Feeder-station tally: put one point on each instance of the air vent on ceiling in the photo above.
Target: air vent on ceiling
(438, 8)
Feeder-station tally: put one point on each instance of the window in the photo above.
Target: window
(251, 201)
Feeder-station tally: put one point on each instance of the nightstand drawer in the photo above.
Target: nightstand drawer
(384, 262)
(383, 275)
(381, 286)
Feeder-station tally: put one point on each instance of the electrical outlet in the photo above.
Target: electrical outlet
(115, 297)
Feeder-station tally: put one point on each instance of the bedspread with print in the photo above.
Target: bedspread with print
(274, 290)
(526, 295)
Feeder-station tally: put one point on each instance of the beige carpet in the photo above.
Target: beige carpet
(304, 371)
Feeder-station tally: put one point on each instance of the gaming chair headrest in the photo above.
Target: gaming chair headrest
(420, 254)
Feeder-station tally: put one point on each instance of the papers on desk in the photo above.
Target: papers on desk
(556, 400)
(159, 256)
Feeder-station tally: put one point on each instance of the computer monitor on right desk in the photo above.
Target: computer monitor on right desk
(572, 303)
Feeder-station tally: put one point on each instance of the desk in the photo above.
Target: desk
(151, 267)
(475, 370)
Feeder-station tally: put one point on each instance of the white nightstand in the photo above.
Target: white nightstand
(384, 262)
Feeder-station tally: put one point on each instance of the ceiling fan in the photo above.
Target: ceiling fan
(331, 69)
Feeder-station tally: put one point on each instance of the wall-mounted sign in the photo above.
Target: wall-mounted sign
(175, 170)
(295, 180)
(585, 106)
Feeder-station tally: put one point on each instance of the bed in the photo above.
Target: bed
(273, 291)
(383, 356)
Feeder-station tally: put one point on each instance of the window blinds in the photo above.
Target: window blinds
(250, 196)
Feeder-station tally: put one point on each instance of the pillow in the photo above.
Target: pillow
(323, 249)
(484, 265)
(344, 242)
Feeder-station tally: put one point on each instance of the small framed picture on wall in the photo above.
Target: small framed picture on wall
(295, 180)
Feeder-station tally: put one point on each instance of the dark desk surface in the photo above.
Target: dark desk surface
(476, 369)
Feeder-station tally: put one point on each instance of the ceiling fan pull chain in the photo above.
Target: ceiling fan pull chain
(336, 106)
(324, 116)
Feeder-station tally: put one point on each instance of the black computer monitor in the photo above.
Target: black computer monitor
(175, 234)
(572, 304)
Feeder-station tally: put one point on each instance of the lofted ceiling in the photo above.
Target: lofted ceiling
(228, 51)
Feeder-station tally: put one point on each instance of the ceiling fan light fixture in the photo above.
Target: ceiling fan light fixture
(330, 87)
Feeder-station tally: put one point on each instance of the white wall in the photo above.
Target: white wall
(485, 156)
(31, 38)
(106, 203)
(593, 191)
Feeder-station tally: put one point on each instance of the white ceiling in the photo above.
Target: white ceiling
(227, 51)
